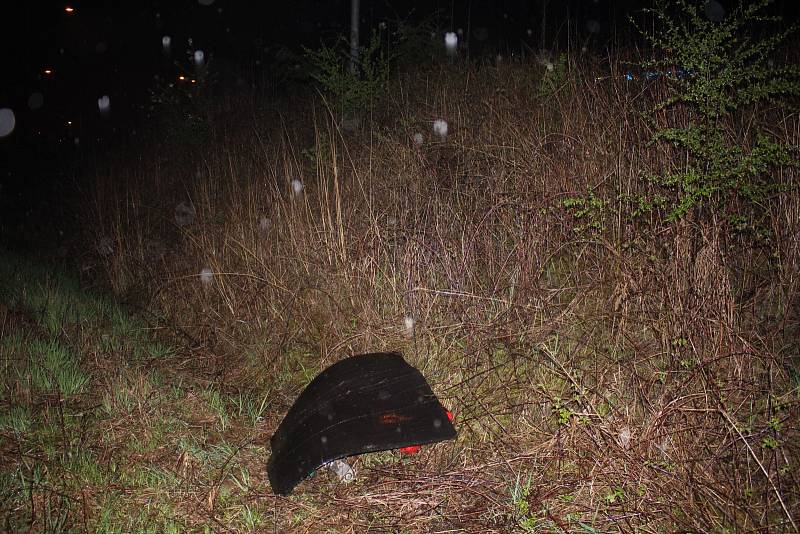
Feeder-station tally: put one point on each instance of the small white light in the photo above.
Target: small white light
(206, 276)
(409, 322)
(440, 128)
(166, 42)
(418, 139)
(297, 186)
(104, 104)
(451, 43)
(199, 57)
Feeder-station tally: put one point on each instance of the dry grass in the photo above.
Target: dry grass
(642, 378)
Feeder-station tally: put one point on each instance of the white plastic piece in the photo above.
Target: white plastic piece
(343, 471)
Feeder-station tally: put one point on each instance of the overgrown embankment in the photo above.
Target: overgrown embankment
(608, 370)
(610, 367)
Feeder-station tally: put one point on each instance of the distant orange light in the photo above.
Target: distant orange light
(69, 123)
(69, 9)
(181, 78)
(48, 72)
(194, 81)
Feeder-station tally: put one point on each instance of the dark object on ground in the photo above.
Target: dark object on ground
(366, 403)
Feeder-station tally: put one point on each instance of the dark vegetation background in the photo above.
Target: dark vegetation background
(614, 362)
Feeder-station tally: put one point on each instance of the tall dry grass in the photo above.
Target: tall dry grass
(642, 378)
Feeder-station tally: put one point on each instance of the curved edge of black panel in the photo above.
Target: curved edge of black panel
(365, 403)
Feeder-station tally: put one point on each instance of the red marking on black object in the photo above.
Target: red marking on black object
(414, 449)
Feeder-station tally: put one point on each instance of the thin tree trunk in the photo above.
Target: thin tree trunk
(354, 20)
(543, 43)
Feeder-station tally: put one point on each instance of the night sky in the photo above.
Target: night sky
(115, 48)
(63, 57)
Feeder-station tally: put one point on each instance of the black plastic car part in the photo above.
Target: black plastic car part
(366, 403)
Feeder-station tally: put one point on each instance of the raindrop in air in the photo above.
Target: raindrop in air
(7, 121)
(206, 276)
(408, 321)
(166, 43)
(184, 214)
(35, 101)
(451, 43)
(592, 26)
(297, 186)
(199, 58)
(104, 104)
(714, 11)
(440, 128)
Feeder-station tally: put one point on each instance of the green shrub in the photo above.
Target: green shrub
(555, 76)
(351, 91)
(716, 71)
(180, 105)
